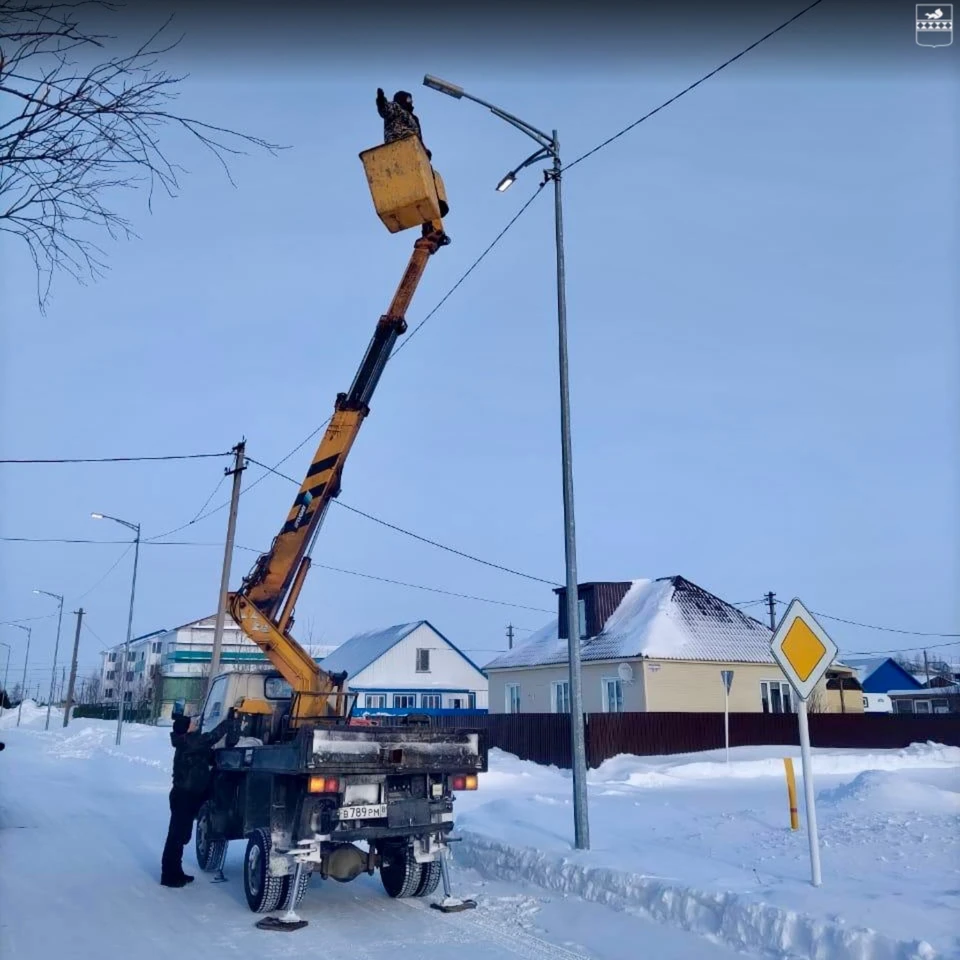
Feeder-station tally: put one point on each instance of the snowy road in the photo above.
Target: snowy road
(81, 827)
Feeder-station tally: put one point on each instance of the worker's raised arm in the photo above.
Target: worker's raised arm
(219, 731)
(382, 103)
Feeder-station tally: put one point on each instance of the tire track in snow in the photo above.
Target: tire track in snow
(516, 941)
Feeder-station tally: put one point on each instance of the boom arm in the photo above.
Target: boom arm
(263, 606)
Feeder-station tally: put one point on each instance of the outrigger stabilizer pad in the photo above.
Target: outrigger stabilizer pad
(453, 905)
(279, 923)
(450, 903)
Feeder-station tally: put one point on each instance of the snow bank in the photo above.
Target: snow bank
(31, 715)
(878, 791)
(768, 762)
(732, 919)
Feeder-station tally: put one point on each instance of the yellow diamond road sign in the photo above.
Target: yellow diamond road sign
(802, 649)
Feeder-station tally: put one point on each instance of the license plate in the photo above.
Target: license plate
(363, 811)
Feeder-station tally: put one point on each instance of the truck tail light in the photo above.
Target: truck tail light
(464, 782)
(324, 785)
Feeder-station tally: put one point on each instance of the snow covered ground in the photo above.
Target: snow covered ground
(689, 858)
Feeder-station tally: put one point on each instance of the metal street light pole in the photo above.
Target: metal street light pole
(550, 147)
(26, 658)
(6, 670)
(56, 650)
(133, 590)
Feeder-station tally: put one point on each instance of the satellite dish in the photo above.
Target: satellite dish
(625, 672)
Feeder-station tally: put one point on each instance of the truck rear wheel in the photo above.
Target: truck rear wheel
(400, 873)
(429, 878)
(263, 891)
(209, 849)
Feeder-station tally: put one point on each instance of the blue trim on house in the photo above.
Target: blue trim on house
(426, 690)
(359, 711)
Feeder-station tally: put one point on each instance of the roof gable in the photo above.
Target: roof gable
(357, 653)
(667, 619)
(882, 674)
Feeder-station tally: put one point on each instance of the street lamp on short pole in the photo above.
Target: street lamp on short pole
(549, 146)
(133, 589)
(26, 658)
(56, 650)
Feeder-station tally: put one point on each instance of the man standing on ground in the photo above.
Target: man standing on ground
(192, 761)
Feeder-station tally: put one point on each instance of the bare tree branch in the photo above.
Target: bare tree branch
(74, 135)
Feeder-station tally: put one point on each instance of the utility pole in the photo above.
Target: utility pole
(926, 667)
(73, 669)
(238, 467)
(773, 610)
(510, 636)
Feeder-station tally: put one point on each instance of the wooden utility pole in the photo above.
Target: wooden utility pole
(238, 467)
(510, 636)
(73, 668)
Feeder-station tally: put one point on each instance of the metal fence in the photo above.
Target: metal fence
(545, 737)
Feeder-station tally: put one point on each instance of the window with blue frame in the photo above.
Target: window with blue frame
(430, 701)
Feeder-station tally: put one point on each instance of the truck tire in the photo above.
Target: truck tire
(400, 873)
(429, 878)
(263, 891)
(209, 849)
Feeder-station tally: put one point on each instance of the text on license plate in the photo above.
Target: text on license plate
(363, 811)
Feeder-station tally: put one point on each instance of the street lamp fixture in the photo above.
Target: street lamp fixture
(549, 146)
(133, 589)
(56, 650)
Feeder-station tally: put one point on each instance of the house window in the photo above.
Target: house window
(111, 674)
(456, 703)
(129, 676)
(776, 696)
(612, 690)
(512, 697)
(921, 706)
(423, 661)
(113, 658)
(404, 701)
(561, 696)
(430, 701)
(472, 702)
(157, 646)
(866, 704)
(376, 700)
(108, 693)
(941, 706)
(903, 706)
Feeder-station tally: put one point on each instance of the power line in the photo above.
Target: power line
(692, 86)
(417, 536)
(110, 570)
(871, 626)
(417, 586)
(930, 646)
(469, 270)
(181, 456)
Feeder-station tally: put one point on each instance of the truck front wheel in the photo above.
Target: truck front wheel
(209, 849)
(263, 891)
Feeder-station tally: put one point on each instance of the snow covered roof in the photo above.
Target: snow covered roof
(361, 650)
(665, 619)
(863, 667)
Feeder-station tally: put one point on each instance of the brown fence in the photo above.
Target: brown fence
(545, 737)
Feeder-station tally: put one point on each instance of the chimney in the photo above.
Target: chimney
(597, 602)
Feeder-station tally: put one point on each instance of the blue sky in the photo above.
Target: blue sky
(763, 341)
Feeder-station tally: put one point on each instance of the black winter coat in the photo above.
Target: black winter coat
(193, 757)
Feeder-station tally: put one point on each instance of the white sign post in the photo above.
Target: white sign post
(727, 677)
(804, 651)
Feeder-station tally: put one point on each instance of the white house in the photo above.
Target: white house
(411, 666)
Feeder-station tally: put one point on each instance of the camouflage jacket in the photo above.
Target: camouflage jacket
(398, 123)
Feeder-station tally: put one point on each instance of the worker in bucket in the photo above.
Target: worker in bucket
(399, 122)
(192, 762)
